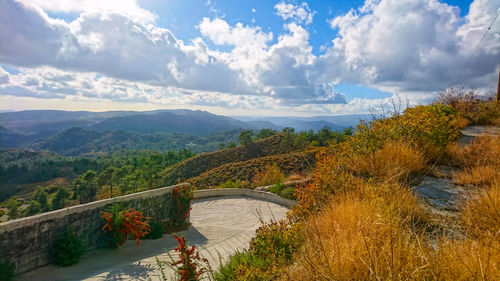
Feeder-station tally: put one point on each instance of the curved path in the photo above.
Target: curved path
(219, 227)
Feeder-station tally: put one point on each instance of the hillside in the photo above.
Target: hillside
(288, 163)
(207, 161)
(189, 122)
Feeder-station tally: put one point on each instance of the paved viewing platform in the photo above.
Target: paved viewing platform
(220, 226)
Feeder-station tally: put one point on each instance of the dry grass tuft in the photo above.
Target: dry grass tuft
(465, 260)
(394, 162)
(479, 176)
(360, 236)
(480, 161)
(481, 213)
(483, 151)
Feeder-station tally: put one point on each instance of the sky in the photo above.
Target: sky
(262, 57)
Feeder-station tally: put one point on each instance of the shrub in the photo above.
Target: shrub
(122, 224)
(270, 175)
(67, 249)
(276, 240)
(156, 231)
(288, 193)
(277, 188)
(33, 208)
(241, 266)
(7, 271)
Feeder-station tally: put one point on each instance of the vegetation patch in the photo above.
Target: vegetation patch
(67, 249)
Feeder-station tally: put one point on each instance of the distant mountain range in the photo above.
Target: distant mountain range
(77, 132)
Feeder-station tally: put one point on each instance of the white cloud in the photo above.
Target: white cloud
(416, 45)
(221, 33)
(413, 47)
(130, 8)
(297, 13)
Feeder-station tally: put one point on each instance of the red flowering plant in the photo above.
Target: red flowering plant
(124, 224)
(187, 267)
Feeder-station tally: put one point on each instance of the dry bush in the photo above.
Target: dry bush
(361, 237)
(474, 107)
(394, 162)
(270, 175)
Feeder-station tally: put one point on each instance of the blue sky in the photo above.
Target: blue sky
(241, 57)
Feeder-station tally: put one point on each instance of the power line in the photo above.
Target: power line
(475, 50)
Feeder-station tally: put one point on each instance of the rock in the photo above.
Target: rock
(470, 133)
(441, 193)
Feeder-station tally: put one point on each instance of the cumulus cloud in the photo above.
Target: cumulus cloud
(413, 47)
(296, 13)
(416, 45)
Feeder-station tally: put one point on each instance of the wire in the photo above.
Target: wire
(475, 50)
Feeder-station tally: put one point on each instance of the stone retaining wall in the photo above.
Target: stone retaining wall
(26, 242)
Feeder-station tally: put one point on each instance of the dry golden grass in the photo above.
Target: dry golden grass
(479, 176)
(481, 213)
(480, 161)
(361, 236)
(465, 260)
(483, 151)
(367, 234)
(394, 162)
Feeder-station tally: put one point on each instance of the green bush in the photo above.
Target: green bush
(6, 271)
(277, 188)
(277, 240)
(156, 231)
(67, 249)
(288, 193)
(239, 262)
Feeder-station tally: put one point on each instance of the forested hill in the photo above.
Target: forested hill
(77, 141)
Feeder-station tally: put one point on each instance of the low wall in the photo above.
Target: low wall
(261, 195)
(26, 242)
